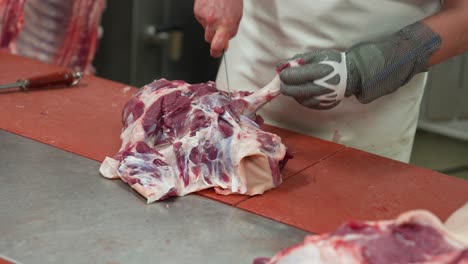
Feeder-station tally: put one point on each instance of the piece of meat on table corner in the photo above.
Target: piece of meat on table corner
(180, 138)
(414, 237)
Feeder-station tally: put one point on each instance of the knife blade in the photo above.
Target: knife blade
(69, 78)
(227, 75)
(10, 85)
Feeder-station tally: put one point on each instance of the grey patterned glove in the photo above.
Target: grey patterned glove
(368, 70)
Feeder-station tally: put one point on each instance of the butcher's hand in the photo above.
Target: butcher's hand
(220, 19)
(368, 70)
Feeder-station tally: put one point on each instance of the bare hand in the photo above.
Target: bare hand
(220, 19)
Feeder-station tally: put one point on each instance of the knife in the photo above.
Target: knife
(227, 76)
(69, 78)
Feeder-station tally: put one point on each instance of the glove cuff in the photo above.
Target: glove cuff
(422, 43)
(388, 64)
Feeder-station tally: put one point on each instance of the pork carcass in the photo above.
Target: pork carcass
(414, 237)
(180, 138)
(61, 32)
(11, 21)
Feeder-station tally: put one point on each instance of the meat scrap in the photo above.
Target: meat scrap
(414, 237)
(180, 138)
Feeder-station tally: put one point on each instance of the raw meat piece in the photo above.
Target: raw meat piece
(414, 237)
(55, 31)
(457, 224)
(180, 138)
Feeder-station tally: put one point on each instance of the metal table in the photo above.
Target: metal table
(56, 208)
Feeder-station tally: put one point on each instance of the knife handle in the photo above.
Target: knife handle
(57, 78)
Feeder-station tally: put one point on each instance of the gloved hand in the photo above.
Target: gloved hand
(368, 70)
(220, 19)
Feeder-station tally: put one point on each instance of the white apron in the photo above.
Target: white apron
(273, 30)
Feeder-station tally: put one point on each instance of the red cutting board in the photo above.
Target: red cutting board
(84, 119)
(4, 261)
(325, 184)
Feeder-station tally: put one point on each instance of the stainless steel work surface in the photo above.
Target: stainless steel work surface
(56, 208)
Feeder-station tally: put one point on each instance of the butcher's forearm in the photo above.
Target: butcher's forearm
(451, 24)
